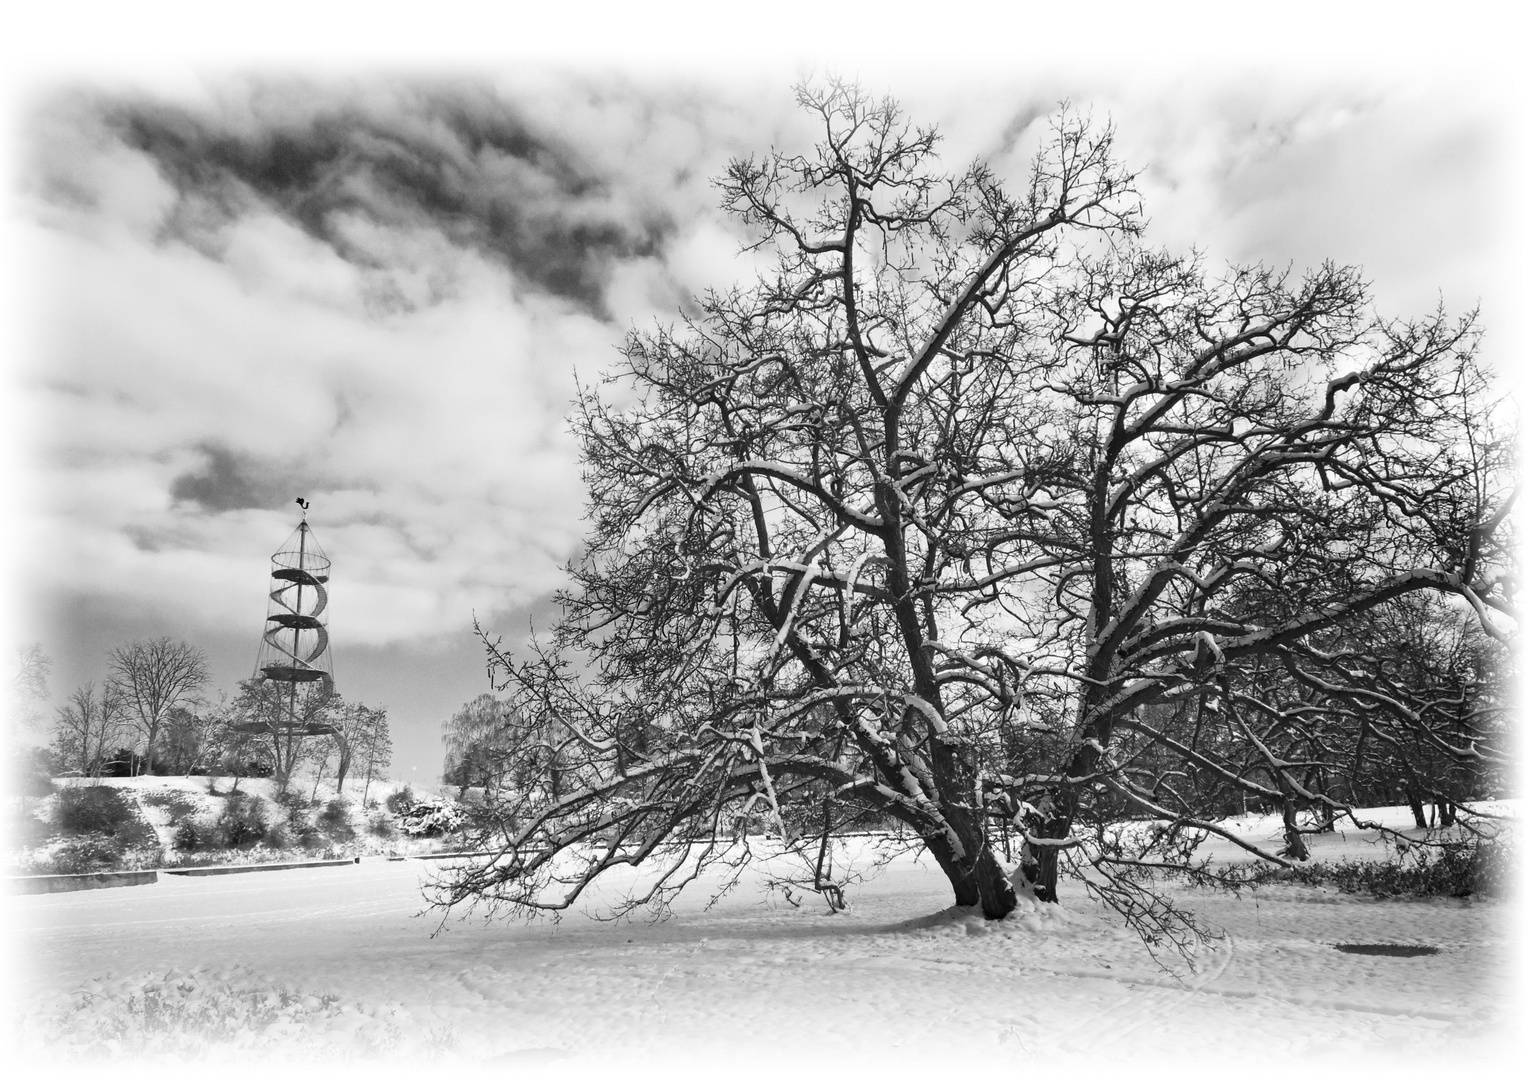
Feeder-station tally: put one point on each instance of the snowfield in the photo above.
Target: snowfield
(339, 970)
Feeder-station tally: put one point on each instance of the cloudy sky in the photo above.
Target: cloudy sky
(376, 285)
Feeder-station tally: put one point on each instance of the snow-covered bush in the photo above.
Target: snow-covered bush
(1458, 868)
(431, 815)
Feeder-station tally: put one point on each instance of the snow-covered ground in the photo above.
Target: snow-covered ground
(348, 972)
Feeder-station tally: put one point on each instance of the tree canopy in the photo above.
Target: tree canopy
(978, 512)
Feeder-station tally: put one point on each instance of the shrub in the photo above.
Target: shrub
(335, 821)
(431, 816)
(1457, 868)
(189, 835)
(292, 802)
(243, 823)
(88, 855)
(296, 826)
(381, 825)
(400, 802)
(101, 811)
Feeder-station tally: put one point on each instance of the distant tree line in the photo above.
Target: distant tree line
(503, 756)
(152, 714)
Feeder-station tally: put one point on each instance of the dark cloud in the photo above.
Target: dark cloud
(231, 481)
(456, 160)
(1017, 126)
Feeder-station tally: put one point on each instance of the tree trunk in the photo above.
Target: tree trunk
(1295, 846)
(1418, 812)
(978, 880)
(340, 774)
(1045, 873)
(1326, 812)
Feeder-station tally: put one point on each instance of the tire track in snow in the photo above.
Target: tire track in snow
(1143, 1002)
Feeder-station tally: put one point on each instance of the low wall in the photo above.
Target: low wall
(57, 883)
(250, 868)
(116, 879)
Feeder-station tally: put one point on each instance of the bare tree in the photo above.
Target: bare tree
(374, 750)
(151, 677)
(965, 508)
(29, 684)
(238, 752)
(283, 717)
(86, 729)
(355, 726)
(318, 753)
(190, 738)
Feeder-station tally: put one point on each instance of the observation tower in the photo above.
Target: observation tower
(295, 646)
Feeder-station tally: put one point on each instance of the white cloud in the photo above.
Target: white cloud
(416, 387)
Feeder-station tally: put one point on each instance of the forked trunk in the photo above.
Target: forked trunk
(978, 882)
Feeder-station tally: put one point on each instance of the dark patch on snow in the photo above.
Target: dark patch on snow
(1388, 950)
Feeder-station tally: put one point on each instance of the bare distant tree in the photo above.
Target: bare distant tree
(151, 677)
(237, 752)
(189, 739)
(29, 684)
(318, 753)
(974, 504)
(283, 717)
(375, 751)
(357, 729)
(87, 728)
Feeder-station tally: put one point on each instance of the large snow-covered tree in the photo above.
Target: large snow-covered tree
(973, 505)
